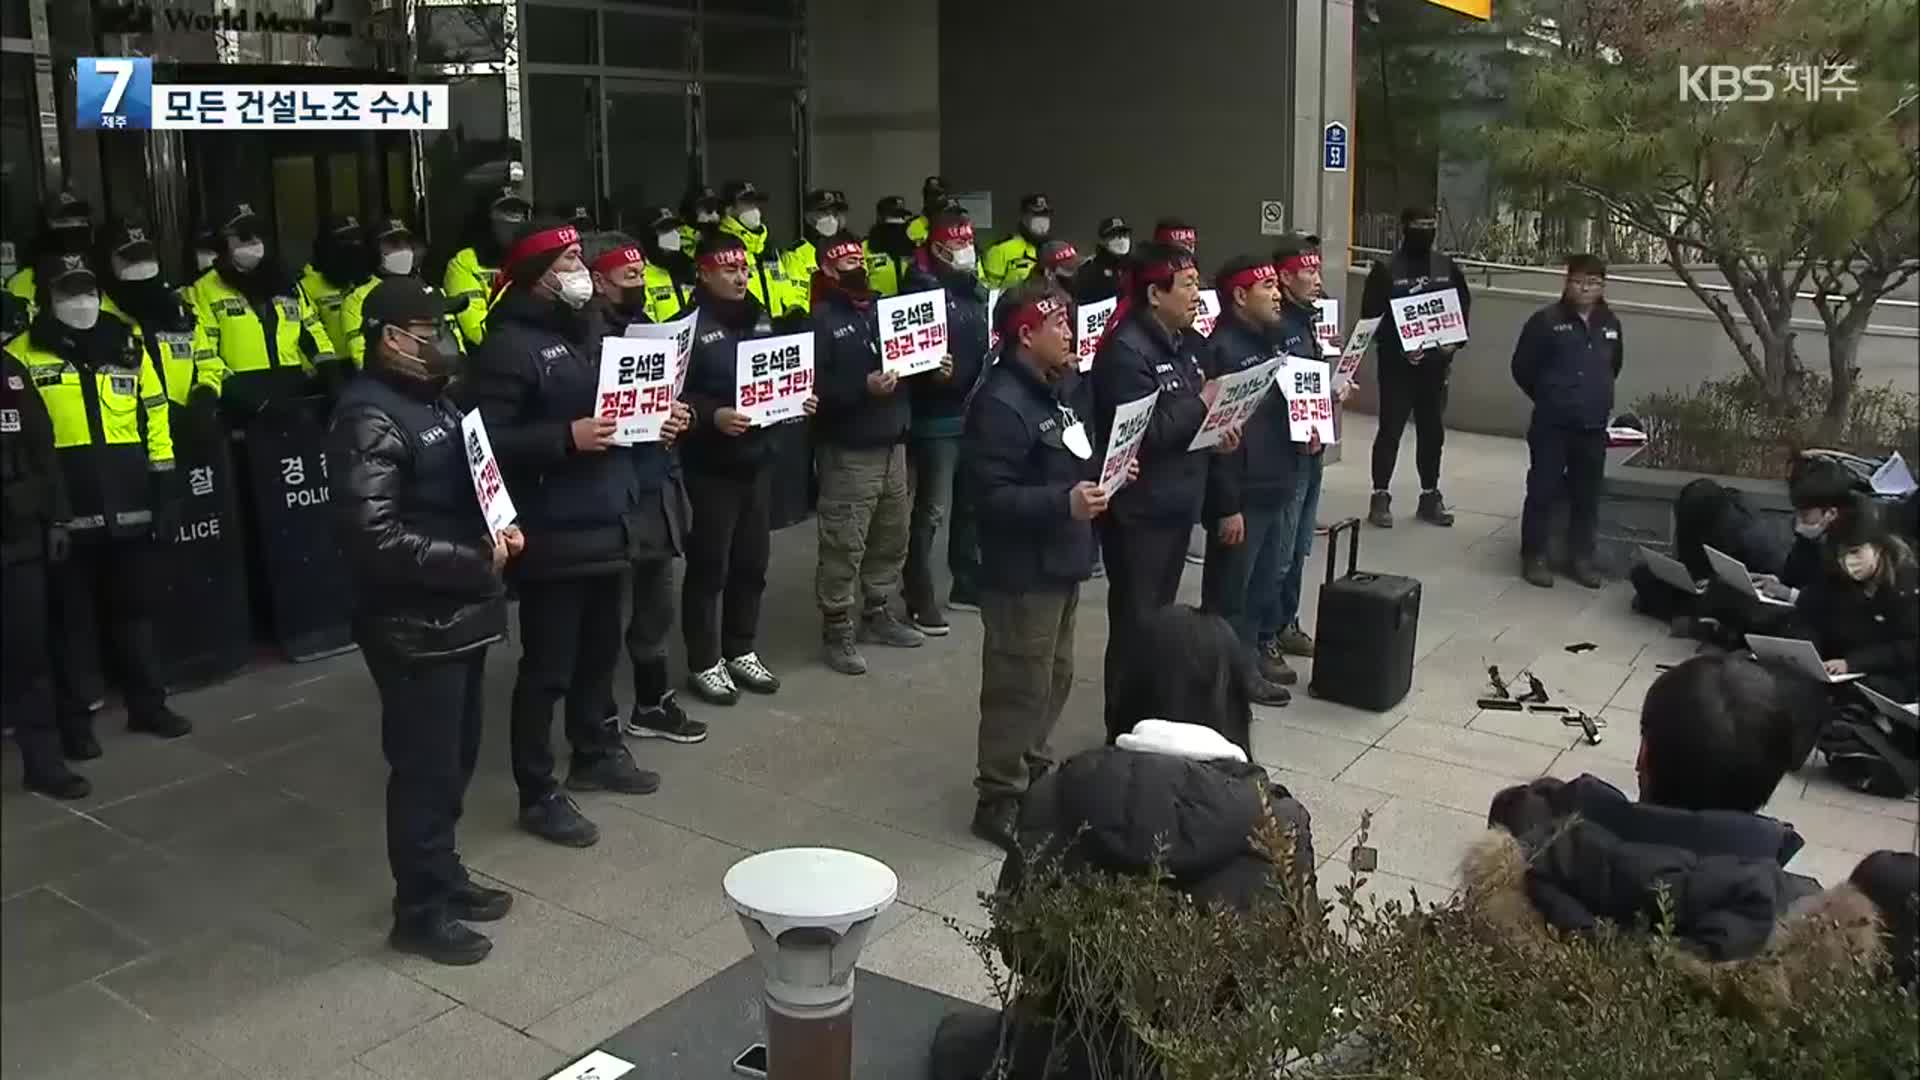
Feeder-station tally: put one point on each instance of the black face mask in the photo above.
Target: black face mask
(632, 299)
(1418, 241)
(854, 281)
(434, 360)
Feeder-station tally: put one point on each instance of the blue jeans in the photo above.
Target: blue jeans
(1306, 509)
(937, 503)
(1241, 584)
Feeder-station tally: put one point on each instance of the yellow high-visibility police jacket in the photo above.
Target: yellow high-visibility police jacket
(21, 284)
(919, 228)
(885, 272)
(798, 264)
(326, 296)
(298, 344)
(767, 282)
(666, 298)
(353, 322)
(1008, 262)
(110, 423)
(465, 279)
(184, 359)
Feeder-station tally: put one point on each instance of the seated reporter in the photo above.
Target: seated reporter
(1862, 611)
(428, 601)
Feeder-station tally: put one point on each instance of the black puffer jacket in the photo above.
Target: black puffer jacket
(845, 351)
(712, 385)
(1112, 809)
(1259, 474)
(409, 521)
(1137, 358)
(1597, 855)
(1876, 632)
(33, 489)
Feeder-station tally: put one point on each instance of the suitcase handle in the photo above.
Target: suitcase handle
(1351, 524)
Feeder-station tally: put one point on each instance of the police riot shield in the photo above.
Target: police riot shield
(308, 596)
(201, 627)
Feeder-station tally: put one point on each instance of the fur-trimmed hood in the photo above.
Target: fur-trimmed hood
(1820, 931)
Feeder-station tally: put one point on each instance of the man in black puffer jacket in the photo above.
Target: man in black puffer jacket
(1150, 347)
(534, 379)
(939, 406)
(727, 461)
(428, 600)
(866, 501)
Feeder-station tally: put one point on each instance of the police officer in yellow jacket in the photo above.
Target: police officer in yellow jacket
(745, 218)
(173, 339)
(669, 276)
(934, 198)
(340, 263)
(700, 210)
(265, 331)
(396, 255)
(66, 228)
(112, 439)
(889, 246)
(1008, 262)
(823, 218)
(469, 274)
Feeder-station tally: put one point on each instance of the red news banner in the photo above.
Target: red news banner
(913, 332)
(774, 378)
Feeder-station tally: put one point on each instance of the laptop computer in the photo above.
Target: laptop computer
(1798, 654)
(1908, 714)
(1671, 571)
(1737, 576)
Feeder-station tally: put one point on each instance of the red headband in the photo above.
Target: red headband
(724, 259)
(1161, 273)
(841, 249)
(958, 232)
(1305, 260)
(1246, 279)
(1066, 253)
(543, 242)
(619, 257)
(1185, 237)
(1034, 314)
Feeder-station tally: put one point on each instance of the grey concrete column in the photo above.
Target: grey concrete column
(1319, 200)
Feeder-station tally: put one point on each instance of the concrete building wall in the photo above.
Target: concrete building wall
(1136, 108)
(873, 98)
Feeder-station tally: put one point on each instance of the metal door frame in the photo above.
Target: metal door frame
(687, 90)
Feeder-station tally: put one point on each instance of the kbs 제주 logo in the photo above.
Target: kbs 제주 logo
(119, 92)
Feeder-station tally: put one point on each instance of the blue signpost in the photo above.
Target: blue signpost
(1334, 148)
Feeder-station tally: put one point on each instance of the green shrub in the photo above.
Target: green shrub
(1163, 988)
(1730, 427)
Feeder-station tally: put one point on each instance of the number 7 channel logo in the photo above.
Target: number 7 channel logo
(113, 92)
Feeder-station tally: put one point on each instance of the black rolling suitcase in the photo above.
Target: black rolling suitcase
(1364, 634)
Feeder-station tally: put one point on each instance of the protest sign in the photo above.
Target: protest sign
(1123, 442)
(636, 387)
(1306, 384)
(1206, 312)
(1355, 351)
(774, 378)
(495, 504)
(1326, 326)
(1428, 320)
(1090, 325)
(913, 332)
(1231, 399)
(680, 332)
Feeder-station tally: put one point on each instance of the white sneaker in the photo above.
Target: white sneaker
(748, 673)
(713, 685)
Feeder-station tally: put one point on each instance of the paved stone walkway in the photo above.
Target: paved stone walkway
(217, 909)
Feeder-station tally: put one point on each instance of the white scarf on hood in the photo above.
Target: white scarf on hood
(1194, 742)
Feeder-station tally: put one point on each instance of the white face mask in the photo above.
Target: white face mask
(247, 256)
(670, 240)
(826, 225)
(203, 260)
(1860, 563)
(1120, 245)
(963, 258)
(576, 287)
(397, 263)
(1809, 532)
(144, 270)
(1040, 226)
(79, 312)
(750, 217)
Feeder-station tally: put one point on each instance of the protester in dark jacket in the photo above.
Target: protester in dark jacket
(428, 601)
(727, 461)
(659, 525)
(1148, 350)
(535, 379)
(1296, 261)
(1032, 475)
(1863, 613)
(1411, 386)
(1717, 733)
(1250, 491)
(946, 263)
(33, 533)
(1100, 277)
(1568, 356)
